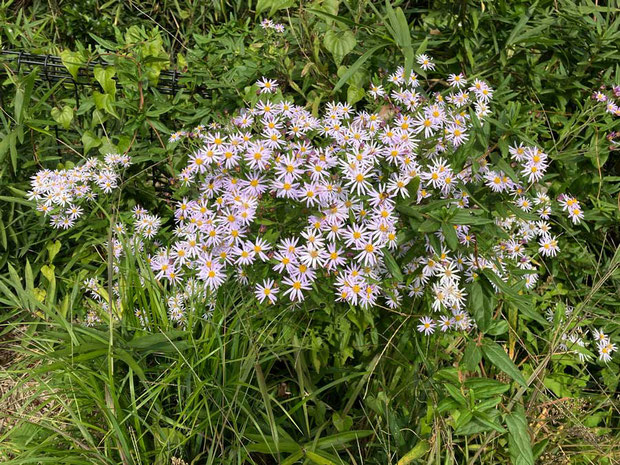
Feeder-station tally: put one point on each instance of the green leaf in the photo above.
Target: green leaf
(355, 94)
(472, 356)
(356, 66)
(48, 272)
(392, 266)
(449, 233)
(429, 226)
(72, 61)
(469, 217)
(498, 357)
(418, 451)
(479, 306)
(273, 5)
(105, 102)
(342, 422)
(64, 116)
(488, 422)
(514, 35)
(339, 42)
(519, 443)
(332, 17)
(319, 459)
(293, 458)
(399, 28)
(104, 77)
(340, 439)
(23, 94)
(52, 250)
(486, 387)
(3, 240)
(90, 141)
(412, 188)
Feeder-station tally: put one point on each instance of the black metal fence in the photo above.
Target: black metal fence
(53, 70)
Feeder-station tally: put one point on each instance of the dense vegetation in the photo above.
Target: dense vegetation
(106, 372)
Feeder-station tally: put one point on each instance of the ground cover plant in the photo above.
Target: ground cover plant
(320, 232)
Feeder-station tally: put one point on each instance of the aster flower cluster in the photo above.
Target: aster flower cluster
(612, 106)
(609, 99)
(61, 195)
(293, 204)
(268, 24)
(576, 340)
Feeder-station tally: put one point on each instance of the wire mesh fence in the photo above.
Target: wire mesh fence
(54, 70)
(52, 74)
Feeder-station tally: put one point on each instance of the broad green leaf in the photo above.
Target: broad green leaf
(498, 357)
(339, 42)
(412, 188)
(469, 217)
(64, 116)
(72, 61)
(488, 422)
(429, 226)
(332, 17)
(273, 5)
(486, 387)
(105, 102)
(48, 272)
(472, 356)
(519, 443)
(418, 451)
(449, 233)
(392, 266)
(52, 250)
(355, 94)
(293, 458)
(480, 305)
(516, 31)
(90, 141)
(104, 77)
(342, 422)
